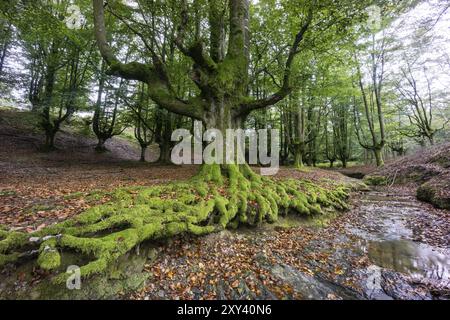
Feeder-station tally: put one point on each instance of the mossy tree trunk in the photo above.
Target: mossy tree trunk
(378, 153)
(222, 77)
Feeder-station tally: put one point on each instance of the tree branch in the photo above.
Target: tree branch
(195, 51)
(286, 87)
(159, 87)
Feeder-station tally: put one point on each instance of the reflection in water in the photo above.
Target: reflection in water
(411, 258)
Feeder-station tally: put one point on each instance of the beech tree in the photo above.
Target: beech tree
(106, 122)
(219, 66)
(418, 103)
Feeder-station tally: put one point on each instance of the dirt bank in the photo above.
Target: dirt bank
(428, 171)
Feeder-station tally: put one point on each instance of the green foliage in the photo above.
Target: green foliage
(376, 180)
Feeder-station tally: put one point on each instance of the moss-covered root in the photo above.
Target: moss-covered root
(217, 198)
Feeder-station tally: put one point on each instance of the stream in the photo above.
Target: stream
(382, 228)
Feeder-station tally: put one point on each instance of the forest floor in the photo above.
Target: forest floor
(389, 245)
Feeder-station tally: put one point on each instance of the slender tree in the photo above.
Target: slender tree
(372, 101)
(416, 105)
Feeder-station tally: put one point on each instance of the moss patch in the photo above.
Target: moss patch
(7, 193)
(376, 180)
(435, 192)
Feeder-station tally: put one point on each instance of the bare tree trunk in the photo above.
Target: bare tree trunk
(49, 140)
(378, 153)
(143, 152)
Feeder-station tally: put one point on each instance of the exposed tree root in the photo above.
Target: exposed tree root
(215, 199)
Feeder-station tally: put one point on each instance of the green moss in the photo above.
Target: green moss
(8, 258)
(375, 180)
(12, 240)
(41, 207)
(7, 193)
(49, 260)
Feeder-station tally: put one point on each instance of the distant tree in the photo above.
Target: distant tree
(417, 103)
(106, 122)
(56, 109)
(57, 60)
(372, 101)
(330, 146)
(144, 116)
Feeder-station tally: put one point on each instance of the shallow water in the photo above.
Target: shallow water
(411, 258)
(388, 240)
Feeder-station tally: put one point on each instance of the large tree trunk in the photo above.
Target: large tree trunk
(222, 117)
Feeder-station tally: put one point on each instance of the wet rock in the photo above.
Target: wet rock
(436, 191)
(399, 287)
(310, 287)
